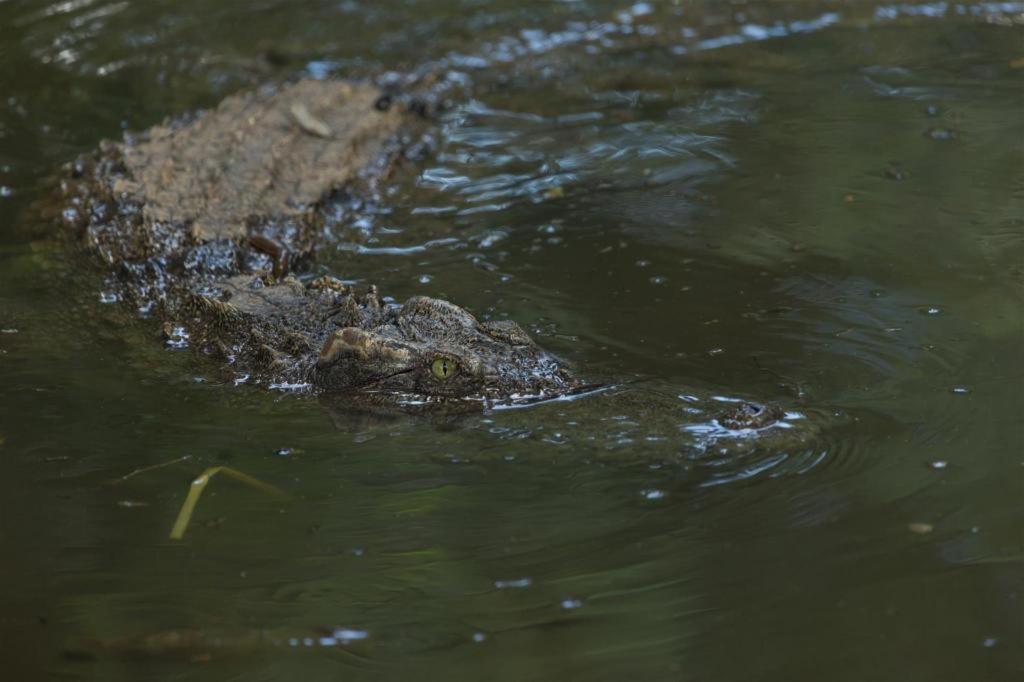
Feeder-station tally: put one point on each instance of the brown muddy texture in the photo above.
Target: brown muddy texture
(255, 168)
(272, 153)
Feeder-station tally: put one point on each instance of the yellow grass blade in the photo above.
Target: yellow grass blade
(199, 484)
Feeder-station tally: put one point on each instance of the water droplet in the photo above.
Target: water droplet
(177, 337)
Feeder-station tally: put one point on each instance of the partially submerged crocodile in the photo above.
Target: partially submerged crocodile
(206, 221)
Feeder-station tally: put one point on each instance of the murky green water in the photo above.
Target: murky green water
(818, 203)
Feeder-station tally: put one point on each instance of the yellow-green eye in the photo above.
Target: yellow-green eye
(443, 368)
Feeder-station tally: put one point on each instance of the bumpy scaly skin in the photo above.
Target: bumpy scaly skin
(186, 213)
(326, 336)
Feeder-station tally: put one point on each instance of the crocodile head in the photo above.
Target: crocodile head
(430, 350)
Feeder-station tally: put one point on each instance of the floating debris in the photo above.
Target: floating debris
(143, 470)
(199, 484)
(310, 123)
(920, 528)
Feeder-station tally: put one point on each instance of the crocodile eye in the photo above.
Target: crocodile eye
(444, 368)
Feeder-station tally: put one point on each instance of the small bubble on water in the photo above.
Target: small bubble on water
(642, 263)
(569, 604)
(652, 494)
(658, 279)
(940, 134)
(939, 464)
(989, 642)
(479, 637)
(931, 310)
(284, 452)
(961, 390)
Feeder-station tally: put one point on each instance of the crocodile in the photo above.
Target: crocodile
(206, 222)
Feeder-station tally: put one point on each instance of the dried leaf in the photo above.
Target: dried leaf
(310, 123)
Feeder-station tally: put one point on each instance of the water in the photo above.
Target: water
(820, 204)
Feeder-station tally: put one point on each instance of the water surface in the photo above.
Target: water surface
(814, 203)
